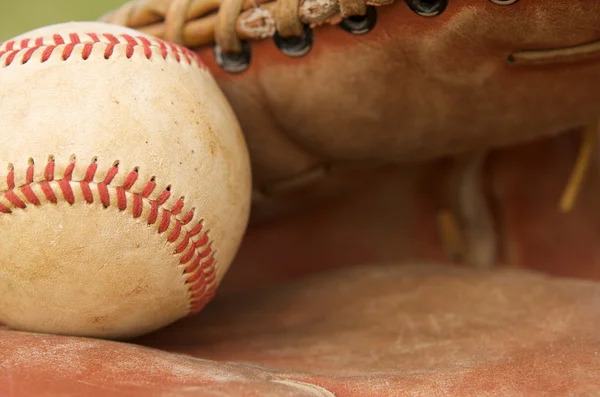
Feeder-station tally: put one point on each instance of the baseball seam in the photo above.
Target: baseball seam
(191, 242)
(66, 45)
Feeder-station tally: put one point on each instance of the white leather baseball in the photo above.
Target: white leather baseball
(124, 182)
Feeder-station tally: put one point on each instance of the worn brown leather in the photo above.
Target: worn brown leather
(413, 87)
(408, 93)
(379, 330)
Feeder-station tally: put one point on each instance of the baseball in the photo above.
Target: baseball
(124, 182)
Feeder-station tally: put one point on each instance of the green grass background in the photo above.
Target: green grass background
(20, 16)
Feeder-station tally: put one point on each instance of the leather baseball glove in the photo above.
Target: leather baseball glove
(332, 92)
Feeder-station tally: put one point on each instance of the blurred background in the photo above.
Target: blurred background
(21, 16)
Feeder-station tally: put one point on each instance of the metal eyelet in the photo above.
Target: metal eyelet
(360, 24)
(427, 8)
(504, 2)
(297, 46)
(233, 62)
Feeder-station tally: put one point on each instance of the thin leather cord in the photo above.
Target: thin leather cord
(352, 7)
(257, 20)
(287, 19)
(378, 3)
(588, 145)
(225, 27)
(147, 12)
(121, 16)
(201, 20)
(200, 32)
(561, 55)
(200, 8)
(140, 12)
(314, 12)
(175, 21)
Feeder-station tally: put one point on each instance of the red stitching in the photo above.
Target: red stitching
(91, 171)
(149, 188)
(58, 40)
(10, 178)
(121, 199)
(175, 233)
(69, 171)
(28, 54)
(138, 204)
(177, 207)
(30, 195)
(49, 171)
(189, 255)
(206, 296)
(197, 253)
(203, 240)
(196, 277)
(29, 174)
(48, 192)
(74, 38)
(112, 42)
(199, 289)
(164, 196)
(71, 46)
(166, 221)
(186, 219)
(147, 47)
(153, 212)
(205, 253)
(87, 51)
(87, 192)
(68, 43)
(94, 37)
(174, 50)
(131, 179)
(194, 266)
(131, 44)
(47, 53)
(112, 172)
(184, 243)
(210, 272)
(196, 230)
(103, 193)
(67, 192)
(10, 58)
(14, 199)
